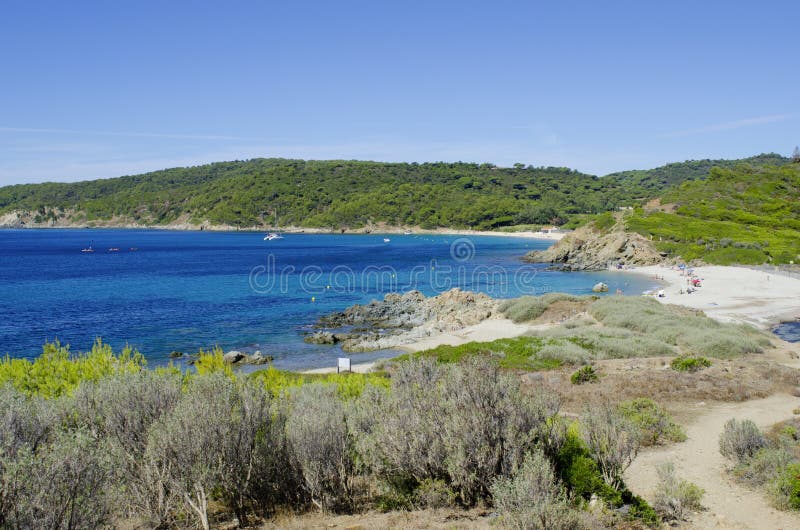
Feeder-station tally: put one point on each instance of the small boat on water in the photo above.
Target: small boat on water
(386, 239)
(407, 232)
(90, 248)
(272, 236)
(113, 249)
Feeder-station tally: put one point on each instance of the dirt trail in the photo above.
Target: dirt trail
(730, 505)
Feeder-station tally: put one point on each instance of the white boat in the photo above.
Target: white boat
(386, 239)
(407, 232)
(272, 236)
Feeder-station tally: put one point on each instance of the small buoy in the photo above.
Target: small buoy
(313, 298)
(328, 287)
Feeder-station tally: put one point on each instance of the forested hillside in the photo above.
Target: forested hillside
(747, 214)
(329, 194)
(652, 181)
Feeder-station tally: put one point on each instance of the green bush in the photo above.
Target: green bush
(586, 374)
(653, 423)
(57, 371)
(689, 363)
(786, 488)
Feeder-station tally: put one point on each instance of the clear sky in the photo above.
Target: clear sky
(107, 88)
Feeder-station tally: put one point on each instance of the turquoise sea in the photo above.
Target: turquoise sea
(165, 291)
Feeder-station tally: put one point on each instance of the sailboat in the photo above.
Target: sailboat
(272, 236)
(90, 248)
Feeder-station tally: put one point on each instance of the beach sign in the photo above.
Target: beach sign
(343, 365)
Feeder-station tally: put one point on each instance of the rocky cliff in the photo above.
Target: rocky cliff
(402, 319)
(588, 248)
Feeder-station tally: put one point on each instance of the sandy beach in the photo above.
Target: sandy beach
(733, 294)
(486, 331)
(729, 294)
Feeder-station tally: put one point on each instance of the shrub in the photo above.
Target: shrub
(121, 409)
(532, 498)
(321, 446)
(57, 371)
(689, 363)
(213, 441)
(654, 423)
(465, 424)
(675, 498)
(62, 485)
(488, 426)
(211, 362)
(434, 494)
(785, 490)
(766, 464)
(586, 374)
(740, 440)
(612, 440)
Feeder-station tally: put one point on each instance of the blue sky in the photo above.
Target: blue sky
(102, 89)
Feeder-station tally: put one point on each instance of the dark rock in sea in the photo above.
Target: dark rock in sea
(175, 354)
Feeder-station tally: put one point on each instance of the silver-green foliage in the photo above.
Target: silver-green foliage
(532, 498)
(321, 445)
(675, 498)
(64, 484)
(740, 440)
(465, 424)
(612, 439)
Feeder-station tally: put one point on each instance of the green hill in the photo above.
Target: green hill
(328, 194)
(653, 181)
(747, 214)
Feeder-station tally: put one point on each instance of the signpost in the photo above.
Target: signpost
(343, 365)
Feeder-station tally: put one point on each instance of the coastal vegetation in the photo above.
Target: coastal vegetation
(653, 181)
(743, 215)
(770, 461)
(160, 448)
(325, 194)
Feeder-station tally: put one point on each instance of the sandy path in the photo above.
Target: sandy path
(729, 504)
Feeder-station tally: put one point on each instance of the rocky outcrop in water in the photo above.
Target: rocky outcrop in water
(587, 249)
(401, 319)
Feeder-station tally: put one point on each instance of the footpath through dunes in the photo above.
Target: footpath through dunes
(729, 505)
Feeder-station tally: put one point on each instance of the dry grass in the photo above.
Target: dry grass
(432, 519)
(749, 377)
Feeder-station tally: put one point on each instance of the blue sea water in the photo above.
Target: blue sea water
(788, 331)
(175, 290)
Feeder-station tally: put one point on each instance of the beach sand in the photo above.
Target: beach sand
(488, 330)
(728, 294)
(733, 294)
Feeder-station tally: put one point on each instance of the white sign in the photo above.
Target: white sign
(343, 365)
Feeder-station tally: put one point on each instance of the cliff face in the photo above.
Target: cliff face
(588, 249)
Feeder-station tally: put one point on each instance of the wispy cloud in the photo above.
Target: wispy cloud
(127, 134)
(731, 125)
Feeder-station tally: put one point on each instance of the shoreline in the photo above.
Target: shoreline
(732, 294)
(388, 230)
(727, 294)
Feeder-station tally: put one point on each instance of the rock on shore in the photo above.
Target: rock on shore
(588, 249)
(402, 319)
